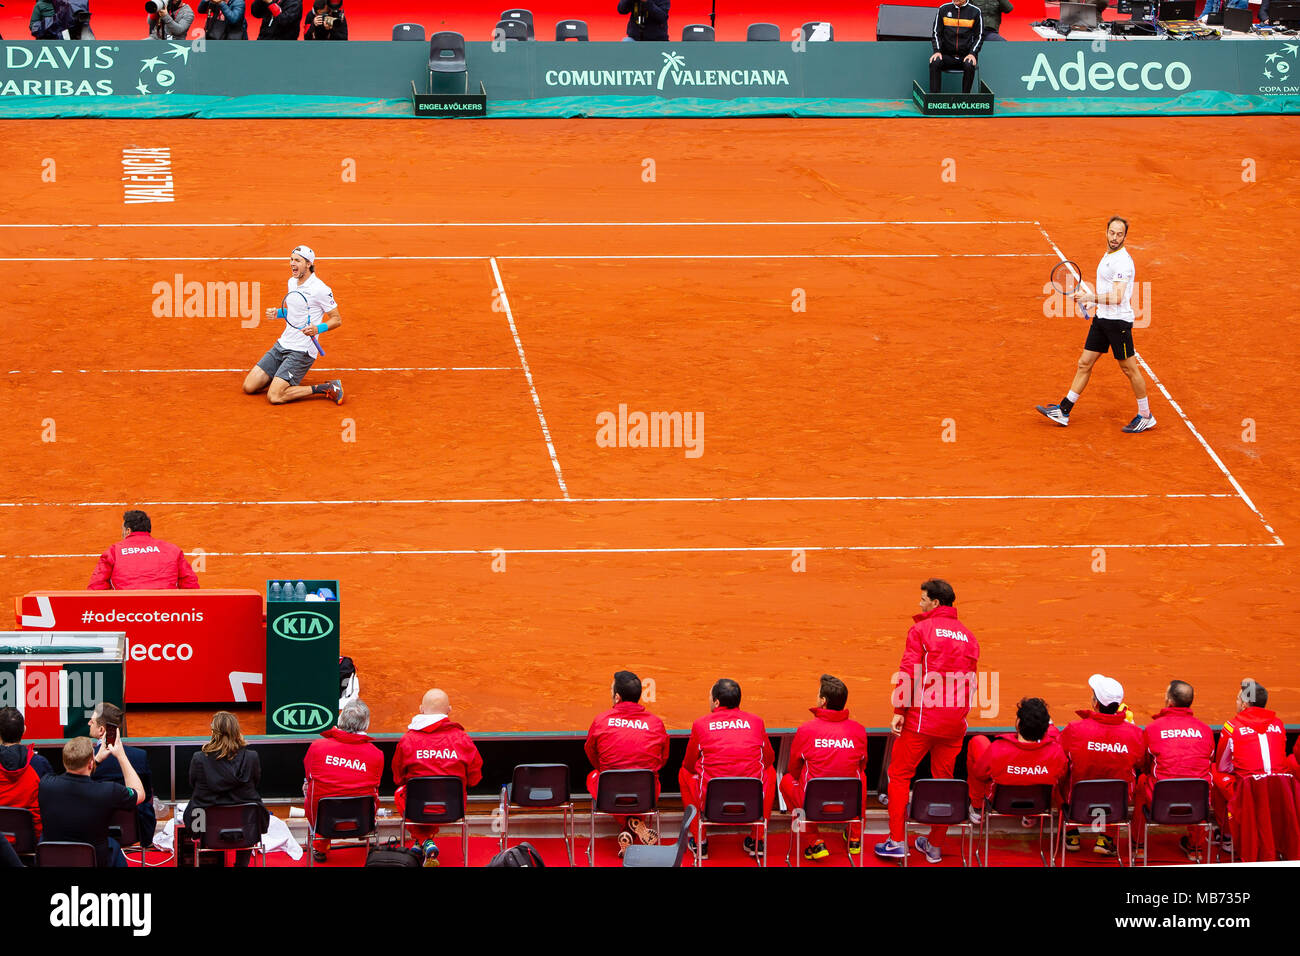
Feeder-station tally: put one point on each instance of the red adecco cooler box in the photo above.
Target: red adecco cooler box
(186, 646)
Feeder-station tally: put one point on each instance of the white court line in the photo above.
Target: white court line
(188, 371)
(786, 549)
(694, 255)
(495, 225)
(537, 402)
(1241, 492)
(584, 501)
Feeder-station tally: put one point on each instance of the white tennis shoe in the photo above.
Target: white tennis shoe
(1055, 414)
(1140, 424)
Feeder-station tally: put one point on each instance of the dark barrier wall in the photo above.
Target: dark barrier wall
(532, 71)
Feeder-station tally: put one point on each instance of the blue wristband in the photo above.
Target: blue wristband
(322, 327)
(281, 314)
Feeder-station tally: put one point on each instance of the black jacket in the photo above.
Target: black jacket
(109, 769)
(648, 20)
(958, 30)
(312, 32)
(219, 783)
(283, 27)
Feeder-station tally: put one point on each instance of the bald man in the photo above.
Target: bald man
(434, 746)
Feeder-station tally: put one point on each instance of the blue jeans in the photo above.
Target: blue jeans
(116, 857)
(1213, 6)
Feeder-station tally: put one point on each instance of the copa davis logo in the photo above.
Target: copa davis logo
(1282, 70)
(673, 74)
(88, 58)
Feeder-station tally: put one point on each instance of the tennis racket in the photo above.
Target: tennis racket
(297, 315)
(1067, 279)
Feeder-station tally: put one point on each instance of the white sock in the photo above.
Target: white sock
(1072, 395)
(1144, 407)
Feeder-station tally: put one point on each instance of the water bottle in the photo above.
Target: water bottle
(275, 591)
(430, 853)
(300, 591)
(286, 591)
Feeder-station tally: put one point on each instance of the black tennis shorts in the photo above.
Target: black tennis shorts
(1111, 335)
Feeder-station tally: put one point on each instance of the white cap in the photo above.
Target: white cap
(306, 252)
(1107, 690)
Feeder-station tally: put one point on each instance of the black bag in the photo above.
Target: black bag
(525, 854)
(393, 853)
(347, 671)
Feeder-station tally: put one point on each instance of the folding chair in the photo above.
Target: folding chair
(447, 55)
(732, 802)
(511, 30)
(622, 793)
(660, 855)
(571, 30)
(124, 827)
(437, 801)
(941, 802)
(342, 818)
(409, 31)
(18, 825)
(1023, 801)
(829, 800)
(64, 853)
(763, 32)
(229, 829)
(813, 33)
(522, 16)
(1099, 805)
(539, 786)
(1178, 802)
(697, 31)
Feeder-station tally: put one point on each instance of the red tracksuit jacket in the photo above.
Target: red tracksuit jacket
(1178, 745)
(627, 737)
(940, 652)
(1102, 747)
(341, 764)
(1253, 742)
(728, 743)
(1014, 762)
(830, 745)
(20, 787)
(140, 561)
(437, 749)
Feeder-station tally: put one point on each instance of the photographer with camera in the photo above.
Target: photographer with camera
(325, 21)
(279, 18)
(225, 20)
(648, 19)
(169, 19)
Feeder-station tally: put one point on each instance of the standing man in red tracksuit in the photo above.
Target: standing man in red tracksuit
(1027, 757)
(728, 742)
(626, 737)
(434, 746)
(1102, 745)
(829, 745)
(342, 763)
(1178, 746)
(933, 691)
(1252, 744)
(140, 561)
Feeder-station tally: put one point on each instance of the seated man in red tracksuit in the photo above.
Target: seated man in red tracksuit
(434, 746)
(626, 737)
(1252, 744)
(932, 694)
(1178, 746)
(829, 745)
(141, 561)
(342, 763)
(1029, 756)
(728, 742)
(1102, 745)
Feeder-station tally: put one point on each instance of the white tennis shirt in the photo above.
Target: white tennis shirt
(1115, 267)
(320, 300)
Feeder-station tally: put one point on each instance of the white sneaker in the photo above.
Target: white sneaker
(1054, 413)
(1140, 424)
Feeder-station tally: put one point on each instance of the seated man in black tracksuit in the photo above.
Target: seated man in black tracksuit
(957, 37)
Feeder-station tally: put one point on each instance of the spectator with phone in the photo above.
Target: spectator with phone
(279, 19)
(78, 809)
(107, 721)
(325, 21)
(647, 19)
(225, 21)
(169, 19)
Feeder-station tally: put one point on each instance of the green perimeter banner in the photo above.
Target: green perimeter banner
(519, 72)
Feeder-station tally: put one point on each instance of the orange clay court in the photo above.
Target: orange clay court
(474, 412)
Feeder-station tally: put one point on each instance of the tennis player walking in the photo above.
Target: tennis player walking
(1112, 328)
(281, 369)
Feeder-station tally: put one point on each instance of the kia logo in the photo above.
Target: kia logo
(303, 626)
(302, 717)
